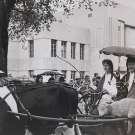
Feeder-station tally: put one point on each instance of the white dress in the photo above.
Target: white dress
(110, 86)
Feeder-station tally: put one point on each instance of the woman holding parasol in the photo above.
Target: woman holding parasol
(126, 85)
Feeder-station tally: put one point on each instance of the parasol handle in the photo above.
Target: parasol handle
(118, 70)
(119, 63)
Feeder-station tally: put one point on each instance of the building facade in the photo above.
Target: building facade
(77, 40)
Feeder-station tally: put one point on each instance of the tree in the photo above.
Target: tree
(22, 17)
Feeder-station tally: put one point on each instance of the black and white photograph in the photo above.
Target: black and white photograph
(67, 67)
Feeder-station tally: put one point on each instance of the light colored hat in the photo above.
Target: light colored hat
(77, 78)
(1, 71)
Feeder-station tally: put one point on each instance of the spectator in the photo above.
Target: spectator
(39, 79)
(71, 82)
(96, 75)
(86, 82)
(51, 79)
(35, 77)
(94, 83)
(77, 84)
(98, 79)
(62, 79)
(10, 75)
(57, 78)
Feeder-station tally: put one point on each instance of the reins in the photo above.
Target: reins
(3, 99)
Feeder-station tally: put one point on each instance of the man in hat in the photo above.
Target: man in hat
(77, 84)
(127, 86)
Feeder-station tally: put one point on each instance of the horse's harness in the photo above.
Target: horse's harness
(13, 91)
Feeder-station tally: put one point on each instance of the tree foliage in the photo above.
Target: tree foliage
(23, 17)
(33, 15)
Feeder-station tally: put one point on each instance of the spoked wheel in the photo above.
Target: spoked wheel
(91, 101)
(102, 129)
(83, 103)
(91, 106)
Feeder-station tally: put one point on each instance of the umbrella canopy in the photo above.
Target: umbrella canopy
(10, 80)
(51, 73)
(24, 78)
(118, 51)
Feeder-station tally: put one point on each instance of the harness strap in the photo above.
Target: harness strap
(3, 99)
(18, 100)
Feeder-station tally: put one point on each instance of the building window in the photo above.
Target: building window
(31, 48)
(72, 50)
(82, 74)
(73, 74)
(89, 15)
(53, 48)
(81, 51)
(63, 49)
(119, 35)
(31, 73)
(64, 72)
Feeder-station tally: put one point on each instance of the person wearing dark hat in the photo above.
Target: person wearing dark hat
(94, 83)
(35, 77)
(127, 86)
(62, 79)
(39, 79)
(95, 75)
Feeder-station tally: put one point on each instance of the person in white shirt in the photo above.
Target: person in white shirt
(108, 81)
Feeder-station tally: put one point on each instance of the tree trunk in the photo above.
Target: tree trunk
(5, 8)
(3, 59)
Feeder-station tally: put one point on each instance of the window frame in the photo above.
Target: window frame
(64, 72)
(73, 50)
(82, 51)
(31, 73)
(31, 48)
(53, 47)
(82, 74)
(63, 49)
(73, 75)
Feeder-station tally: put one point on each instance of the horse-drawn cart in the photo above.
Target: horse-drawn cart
(42, 101)
(88, 124)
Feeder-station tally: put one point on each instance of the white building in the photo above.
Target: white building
(76, 39)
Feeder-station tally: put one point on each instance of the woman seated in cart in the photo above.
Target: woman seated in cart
(108, 81)
(107, 85)
(127, 83)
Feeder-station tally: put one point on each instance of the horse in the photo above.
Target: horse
(46, 100)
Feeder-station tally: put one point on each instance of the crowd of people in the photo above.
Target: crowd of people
(110, 84)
